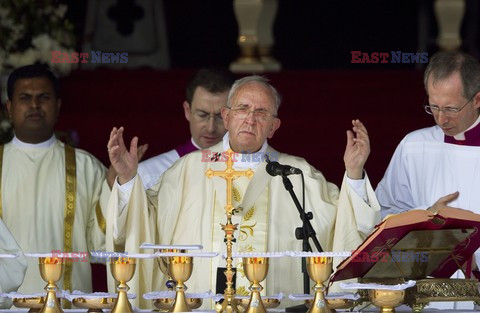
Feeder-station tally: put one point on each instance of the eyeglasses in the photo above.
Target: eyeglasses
(204, 117)
(450, 112)
(241, 112)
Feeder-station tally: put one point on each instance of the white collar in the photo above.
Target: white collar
(246, 160)
(195, 144)
(46, 144)
(461, 136)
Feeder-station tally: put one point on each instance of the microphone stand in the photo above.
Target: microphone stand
(302, 233)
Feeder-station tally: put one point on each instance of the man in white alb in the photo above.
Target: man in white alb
(438, 167)
(185, 207)
(205, 96)
(50, 191)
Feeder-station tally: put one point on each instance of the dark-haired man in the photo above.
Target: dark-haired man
(50, 191)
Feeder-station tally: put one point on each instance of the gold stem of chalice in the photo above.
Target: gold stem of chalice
(122, 269)
(386, 300)
(256, 270)
(163, 265)
(180, 268)
(51, 269)
(319, 270)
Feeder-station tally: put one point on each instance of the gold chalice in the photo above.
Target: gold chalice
(256, 269)
(386, 300)
(319, 270)
(51, 269)
(180, 268)
(163, 265)
(122, 269)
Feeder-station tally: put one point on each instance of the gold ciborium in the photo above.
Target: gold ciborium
(319, 269)
(386, 300)
(180, 268)
(122, 269)
(51, 269)
(256, 269)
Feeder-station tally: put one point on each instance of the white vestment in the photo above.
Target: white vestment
(12, 271)
(424, 168)
(33, 204)
(186, 207)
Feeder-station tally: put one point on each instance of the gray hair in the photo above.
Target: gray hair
(258, 80)
(443, 64)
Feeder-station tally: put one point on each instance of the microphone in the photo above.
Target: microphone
(275, 168)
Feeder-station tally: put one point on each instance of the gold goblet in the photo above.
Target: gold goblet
(256, 269)
(386, 300)
(163, 265)
(51, 269)
(319, 270)
(180, 268)
(122, 269)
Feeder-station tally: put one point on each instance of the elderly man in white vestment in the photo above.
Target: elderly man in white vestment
(50, 191)
(12, 270)
(185, 207)
(438, 167)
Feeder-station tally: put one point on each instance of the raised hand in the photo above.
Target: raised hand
(357, 150)
(442, 203)
(124, 162)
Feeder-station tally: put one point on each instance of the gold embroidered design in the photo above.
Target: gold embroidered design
(236, 195)
(250, 213)
(247, 248)
(69, 218)
(246, 230)
(242, 291)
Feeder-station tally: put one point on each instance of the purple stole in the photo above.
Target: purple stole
(472, 138)
(185, 148)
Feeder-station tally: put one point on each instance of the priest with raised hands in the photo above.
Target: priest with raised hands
(186, 207)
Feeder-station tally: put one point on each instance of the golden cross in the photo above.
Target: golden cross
(229, 174)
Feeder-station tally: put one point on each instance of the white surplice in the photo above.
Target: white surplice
(33, 203)
(423, 169)
(12, 271)
(186, 207)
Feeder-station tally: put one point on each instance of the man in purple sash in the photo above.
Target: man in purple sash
(206, 94)
(439, 166)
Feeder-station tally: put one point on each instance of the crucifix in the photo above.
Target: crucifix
(229, 174)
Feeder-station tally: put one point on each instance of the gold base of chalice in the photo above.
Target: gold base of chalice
(122, 269)
(180, 268)
(319, 270)
(95, 304)
(386, 300)
(256, 269)
(51, 269)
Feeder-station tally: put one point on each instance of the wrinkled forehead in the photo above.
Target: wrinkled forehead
(255, 95)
